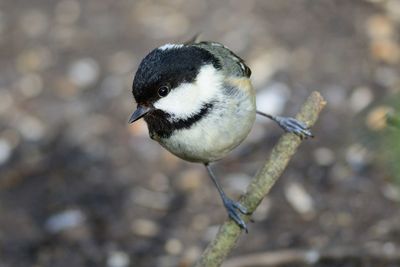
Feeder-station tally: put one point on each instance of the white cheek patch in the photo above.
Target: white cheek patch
(188, 99)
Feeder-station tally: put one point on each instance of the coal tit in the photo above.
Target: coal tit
(199, 104)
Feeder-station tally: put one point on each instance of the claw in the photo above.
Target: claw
(241, 208)
(292, 125)
(234, 209)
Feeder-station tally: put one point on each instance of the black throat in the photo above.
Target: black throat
(162, 124)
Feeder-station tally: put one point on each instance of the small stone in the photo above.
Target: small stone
(336, 96)
(173, 246)
(161, 24)
(384, 46)
(5, 151)
(159, 182)
(327, 220)
(18, 227)
(167, 261)
(118, 259)
(300, 200)
(31, 128)
(210, 233)
(391, 192)
(67, 12)
(265, 64)
(324, 156)
(34, 23)
(147, 150)
(34, 60)
(200, 222)
(65, 88)
(393, 9)
(190, 179)
(387, 51)
(6, 100)
(122, 62)
(65, 220)
(145, 228)
(389, 248)
(361, 98)
(12, 136)
(381, 228)
(357, 156)
(170, 161)
(273, 98)
(84, 72)
(373, 245)
(150, 199)
(31, 85)
(112, 86)
(344, 219)
(380, 27)
(64, 36)
(238, 182)
(262, 211)
(191, 255)
(377, 118)
(387, 77)
(95, 125)
(312, 256)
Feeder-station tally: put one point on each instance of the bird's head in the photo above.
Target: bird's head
(174, 83)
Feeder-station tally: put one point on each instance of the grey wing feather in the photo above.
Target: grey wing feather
(232, 64)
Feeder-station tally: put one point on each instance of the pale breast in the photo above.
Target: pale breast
(215, 135)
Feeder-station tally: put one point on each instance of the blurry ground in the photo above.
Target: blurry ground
(80, 187)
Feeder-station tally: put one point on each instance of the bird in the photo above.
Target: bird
(198, 102)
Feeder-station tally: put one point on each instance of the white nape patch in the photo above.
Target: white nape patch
(170, 46)
(188, 98)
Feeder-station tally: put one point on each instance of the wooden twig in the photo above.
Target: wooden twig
(229, 232)
(294, 257)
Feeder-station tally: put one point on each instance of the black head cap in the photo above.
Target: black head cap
(171, 66)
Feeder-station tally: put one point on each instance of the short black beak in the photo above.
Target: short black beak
(139, 112)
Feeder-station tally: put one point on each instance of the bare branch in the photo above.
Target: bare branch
(229, 232)
(302, 257)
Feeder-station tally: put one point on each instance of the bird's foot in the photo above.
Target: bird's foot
(234, 210)
(292, 125)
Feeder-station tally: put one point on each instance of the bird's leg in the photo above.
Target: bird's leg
(233, 208)
(290, 125)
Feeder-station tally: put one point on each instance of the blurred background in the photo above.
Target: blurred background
(81, 187)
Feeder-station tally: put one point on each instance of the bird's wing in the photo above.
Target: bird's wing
(232, 64)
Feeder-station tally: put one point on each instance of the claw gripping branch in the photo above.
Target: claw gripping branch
(260, 185)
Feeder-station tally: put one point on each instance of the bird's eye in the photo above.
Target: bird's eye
(163, 91)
